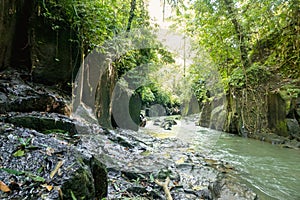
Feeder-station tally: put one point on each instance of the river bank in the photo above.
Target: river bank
(268, 169)
(48, 155)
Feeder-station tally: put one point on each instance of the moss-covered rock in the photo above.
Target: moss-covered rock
(42, 121)
(205, 114)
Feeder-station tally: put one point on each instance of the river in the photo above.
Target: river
(271, 171)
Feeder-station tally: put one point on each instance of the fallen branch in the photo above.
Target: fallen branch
(165, 187)
(58, 165)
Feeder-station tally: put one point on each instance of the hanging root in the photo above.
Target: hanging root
(164, 185)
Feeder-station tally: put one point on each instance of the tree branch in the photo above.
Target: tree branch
(131, 14)
(239, 31)
(164, 185)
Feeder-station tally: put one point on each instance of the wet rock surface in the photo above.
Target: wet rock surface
(17, 95)
(42, 122)
(136, 161)
(47, 155)
(39, 166)
(165, 123)
(120, 163)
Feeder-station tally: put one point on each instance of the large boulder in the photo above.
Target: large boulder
(205, 114)
(293, 128)
(126, 108)
(104, 92)
(42, 122)
(191, 106)
(213, 114)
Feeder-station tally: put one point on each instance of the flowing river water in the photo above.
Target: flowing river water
(271, 171)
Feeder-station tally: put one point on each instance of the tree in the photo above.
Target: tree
(251, 43)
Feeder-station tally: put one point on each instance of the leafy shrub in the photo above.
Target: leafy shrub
(237, 78)
(257, 74)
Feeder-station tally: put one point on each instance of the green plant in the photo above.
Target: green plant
(200, 90)
(24, 144)
(237, 78)
(257, 74)
(136, 181)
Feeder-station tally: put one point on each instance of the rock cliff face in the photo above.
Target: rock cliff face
(126, 108)
(265, 116)
(10, 12)
(104, 93)
(97, 90)
(53, 57)
(29, 42)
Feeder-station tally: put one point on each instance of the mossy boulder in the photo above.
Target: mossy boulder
(42, 121)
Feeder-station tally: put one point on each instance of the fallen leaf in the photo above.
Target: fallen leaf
(73, 196)
(198, 187)
(49, 151)
(12, 171)
(48, 187)
(58, 165)
(191, 150)
(60, 192)
(175, 183)
(180, 161)
(210, 161)
(20, 173)
(4, 187)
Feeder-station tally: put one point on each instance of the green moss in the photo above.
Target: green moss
(56, 131)
(281, 128)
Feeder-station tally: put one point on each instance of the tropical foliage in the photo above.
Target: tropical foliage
(247, 40)
(100, 24)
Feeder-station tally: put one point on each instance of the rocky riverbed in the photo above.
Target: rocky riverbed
(47, 155)
(98, 163)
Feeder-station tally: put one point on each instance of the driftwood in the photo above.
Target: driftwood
(165, 187)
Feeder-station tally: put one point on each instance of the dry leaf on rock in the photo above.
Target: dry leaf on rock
(4, 187)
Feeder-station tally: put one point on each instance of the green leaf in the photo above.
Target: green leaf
(40, 169)
(12, 171)
(151, 178)
(20, 173)
(19, 153)
(34, 177)
(73, 196)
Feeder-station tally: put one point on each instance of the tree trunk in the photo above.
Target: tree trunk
(239, 33)
(131, 14)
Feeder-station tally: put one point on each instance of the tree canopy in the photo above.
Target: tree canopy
(247, 41)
